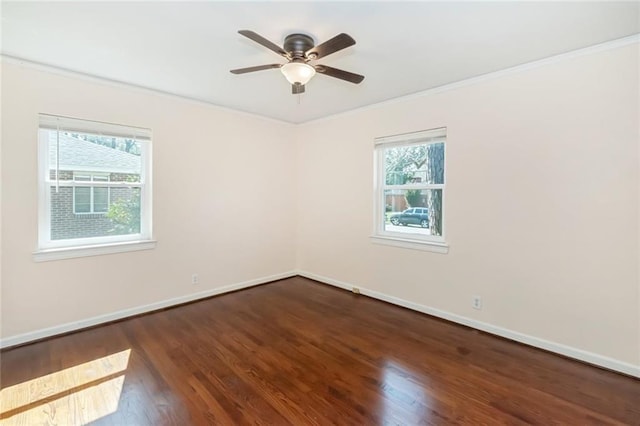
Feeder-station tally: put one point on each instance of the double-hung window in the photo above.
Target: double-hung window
(410, 188)
(94, 185)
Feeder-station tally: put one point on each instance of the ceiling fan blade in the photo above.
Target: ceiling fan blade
(297, 88)
(339, 42)
(264, 42)
(341, 74)
(252, 69)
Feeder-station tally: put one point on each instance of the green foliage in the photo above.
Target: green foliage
(125, 215)
(402, 163)
(414, 198)
(418, 163)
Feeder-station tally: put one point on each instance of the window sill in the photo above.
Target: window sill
(95, 250)
(431, 246)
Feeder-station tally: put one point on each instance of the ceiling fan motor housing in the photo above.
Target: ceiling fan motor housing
(298, 44)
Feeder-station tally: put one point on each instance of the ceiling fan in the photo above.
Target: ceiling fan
(299, 50)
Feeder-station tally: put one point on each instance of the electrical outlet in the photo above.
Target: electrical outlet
(355, 290)
(195, 279)
(476, 302)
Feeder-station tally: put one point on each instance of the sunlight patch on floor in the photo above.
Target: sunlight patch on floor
(73, 396)
(403, 398)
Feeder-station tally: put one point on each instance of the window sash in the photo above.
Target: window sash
(426, 137)
(46, 183)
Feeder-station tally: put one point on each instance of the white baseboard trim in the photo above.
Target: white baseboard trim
(559, 348)
(101, 319)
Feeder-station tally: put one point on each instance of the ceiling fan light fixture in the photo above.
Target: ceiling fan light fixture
(298, 50)
(298, 72)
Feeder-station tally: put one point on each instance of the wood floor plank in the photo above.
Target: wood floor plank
(299, 352)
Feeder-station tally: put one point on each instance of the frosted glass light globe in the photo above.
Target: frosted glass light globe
(298, 72)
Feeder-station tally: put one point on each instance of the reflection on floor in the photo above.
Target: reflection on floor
(298, 352)
(74, 396)
(397, 383)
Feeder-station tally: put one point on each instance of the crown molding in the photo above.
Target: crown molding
(39, 66)
(601, 47)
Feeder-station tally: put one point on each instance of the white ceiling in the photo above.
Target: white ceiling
(188, 48)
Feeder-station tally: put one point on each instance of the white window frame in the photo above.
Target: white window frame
(48, 249)
(400, 239)
(77, 184)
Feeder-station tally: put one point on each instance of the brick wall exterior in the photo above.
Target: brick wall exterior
(398, 203)
(66, 224)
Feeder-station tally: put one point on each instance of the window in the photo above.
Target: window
(95, 184)
(90, 199)
(410, 188)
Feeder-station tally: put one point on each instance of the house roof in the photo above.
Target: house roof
(79, 155)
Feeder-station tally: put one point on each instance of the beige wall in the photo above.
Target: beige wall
(541, 203)
(223, 195)
(1, 241)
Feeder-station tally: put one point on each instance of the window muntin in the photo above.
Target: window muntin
(410, 186)
(95, 185)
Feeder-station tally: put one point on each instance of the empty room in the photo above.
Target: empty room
(314, 213)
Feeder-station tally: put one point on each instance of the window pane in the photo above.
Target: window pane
(100, 200)
(88, 212)
(400, 216)
(80, 161)
(82, 200)
(414, 164)
(122, 217)
(87, 155)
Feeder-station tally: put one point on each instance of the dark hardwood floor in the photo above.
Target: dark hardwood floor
(299, 352)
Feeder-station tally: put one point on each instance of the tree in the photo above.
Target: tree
(402, 164)
(125, 215)
(121, 144)
(435, 172)
(414, 198)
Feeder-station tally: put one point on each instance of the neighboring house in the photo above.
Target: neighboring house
(79, 210)
(396, 201)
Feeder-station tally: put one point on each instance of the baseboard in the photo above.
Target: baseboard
(568, 351)
(21, 339)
